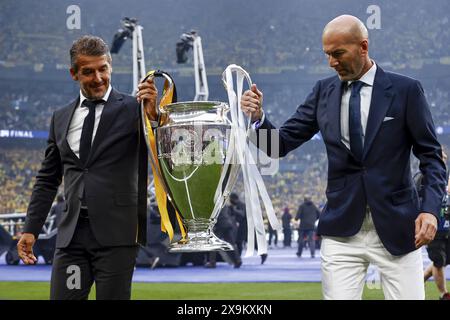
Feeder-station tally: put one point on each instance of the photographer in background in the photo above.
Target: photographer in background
(439, 248)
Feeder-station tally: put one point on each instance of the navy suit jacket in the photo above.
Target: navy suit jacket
(382, 179)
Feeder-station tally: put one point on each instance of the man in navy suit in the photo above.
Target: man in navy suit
(96, 144)
(370, 121)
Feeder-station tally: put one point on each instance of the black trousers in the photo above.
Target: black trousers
(85, 261)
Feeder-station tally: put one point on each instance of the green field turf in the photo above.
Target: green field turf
(202, 291)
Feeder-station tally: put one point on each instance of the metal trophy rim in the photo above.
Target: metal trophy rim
(187, 106)
(210, 242)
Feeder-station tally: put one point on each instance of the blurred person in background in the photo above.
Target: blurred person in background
(286, 224)
(238, 210)
(272, 234)
(438, 249)
(226, 229)
(307, 215)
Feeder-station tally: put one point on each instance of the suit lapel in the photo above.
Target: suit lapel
(110, 111)
(67, 119)
(334, 111)
(382, 97)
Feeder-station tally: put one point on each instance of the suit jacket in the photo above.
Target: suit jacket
(399, 121)
(57, 211)
(114, 177)
(308, 214)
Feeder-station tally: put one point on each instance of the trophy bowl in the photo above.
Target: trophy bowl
(198, 169)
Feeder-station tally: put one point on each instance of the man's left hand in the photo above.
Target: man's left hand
(426, 226)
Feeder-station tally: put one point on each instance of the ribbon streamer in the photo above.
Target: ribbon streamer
(169, 216)
(253, 183)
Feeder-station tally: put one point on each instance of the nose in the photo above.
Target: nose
(332, 62)
(98, 76)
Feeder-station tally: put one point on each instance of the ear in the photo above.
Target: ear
(364, 46)
(73, 74)
(109, 60)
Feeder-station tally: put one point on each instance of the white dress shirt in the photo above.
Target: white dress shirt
(366, 97)
(76, 124)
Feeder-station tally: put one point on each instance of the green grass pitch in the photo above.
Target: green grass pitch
(202, 291)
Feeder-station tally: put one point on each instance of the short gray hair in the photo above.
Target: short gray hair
(90, 46)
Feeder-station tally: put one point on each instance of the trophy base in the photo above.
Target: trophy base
(208, 242)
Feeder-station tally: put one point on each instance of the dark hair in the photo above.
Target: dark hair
(89, 46)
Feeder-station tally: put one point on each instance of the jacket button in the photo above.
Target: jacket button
(86, 170)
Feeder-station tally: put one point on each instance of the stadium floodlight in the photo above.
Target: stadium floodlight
(131, 29)
(123, 34)
(119, 39)
(185, 43)
(193, 41)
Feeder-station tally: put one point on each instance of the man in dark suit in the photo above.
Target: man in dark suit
(307, 214)
(97, 145)
(370, 120)
(287, 231)
(238, 210)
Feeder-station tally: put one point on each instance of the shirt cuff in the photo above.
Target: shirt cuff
(258, 123)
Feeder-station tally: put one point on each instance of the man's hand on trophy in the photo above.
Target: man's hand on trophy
(251, 103)
(148, 93)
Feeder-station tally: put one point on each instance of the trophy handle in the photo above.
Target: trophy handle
(146, 126)
(253, 183)
(234, 67)
(169, 92)
(169, 96)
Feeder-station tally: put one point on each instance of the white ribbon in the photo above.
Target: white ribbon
(253, 183)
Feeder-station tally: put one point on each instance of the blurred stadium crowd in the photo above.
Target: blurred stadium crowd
(286, 34)
(278, 37)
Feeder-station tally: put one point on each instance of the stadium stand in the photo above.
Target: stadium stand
(279, 44)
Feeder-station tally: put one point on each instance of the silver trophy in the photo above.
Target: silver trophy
(196, 155)
(196, 164)
(197, 168)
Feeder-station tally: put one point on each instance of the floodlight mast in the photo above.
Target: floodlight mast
(138, 56)
(192, 40)
(131, 29)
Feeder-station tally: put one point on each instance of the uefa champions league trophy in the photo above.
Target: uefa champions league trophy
(196, 153)
(194, 165)
(192, 148)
